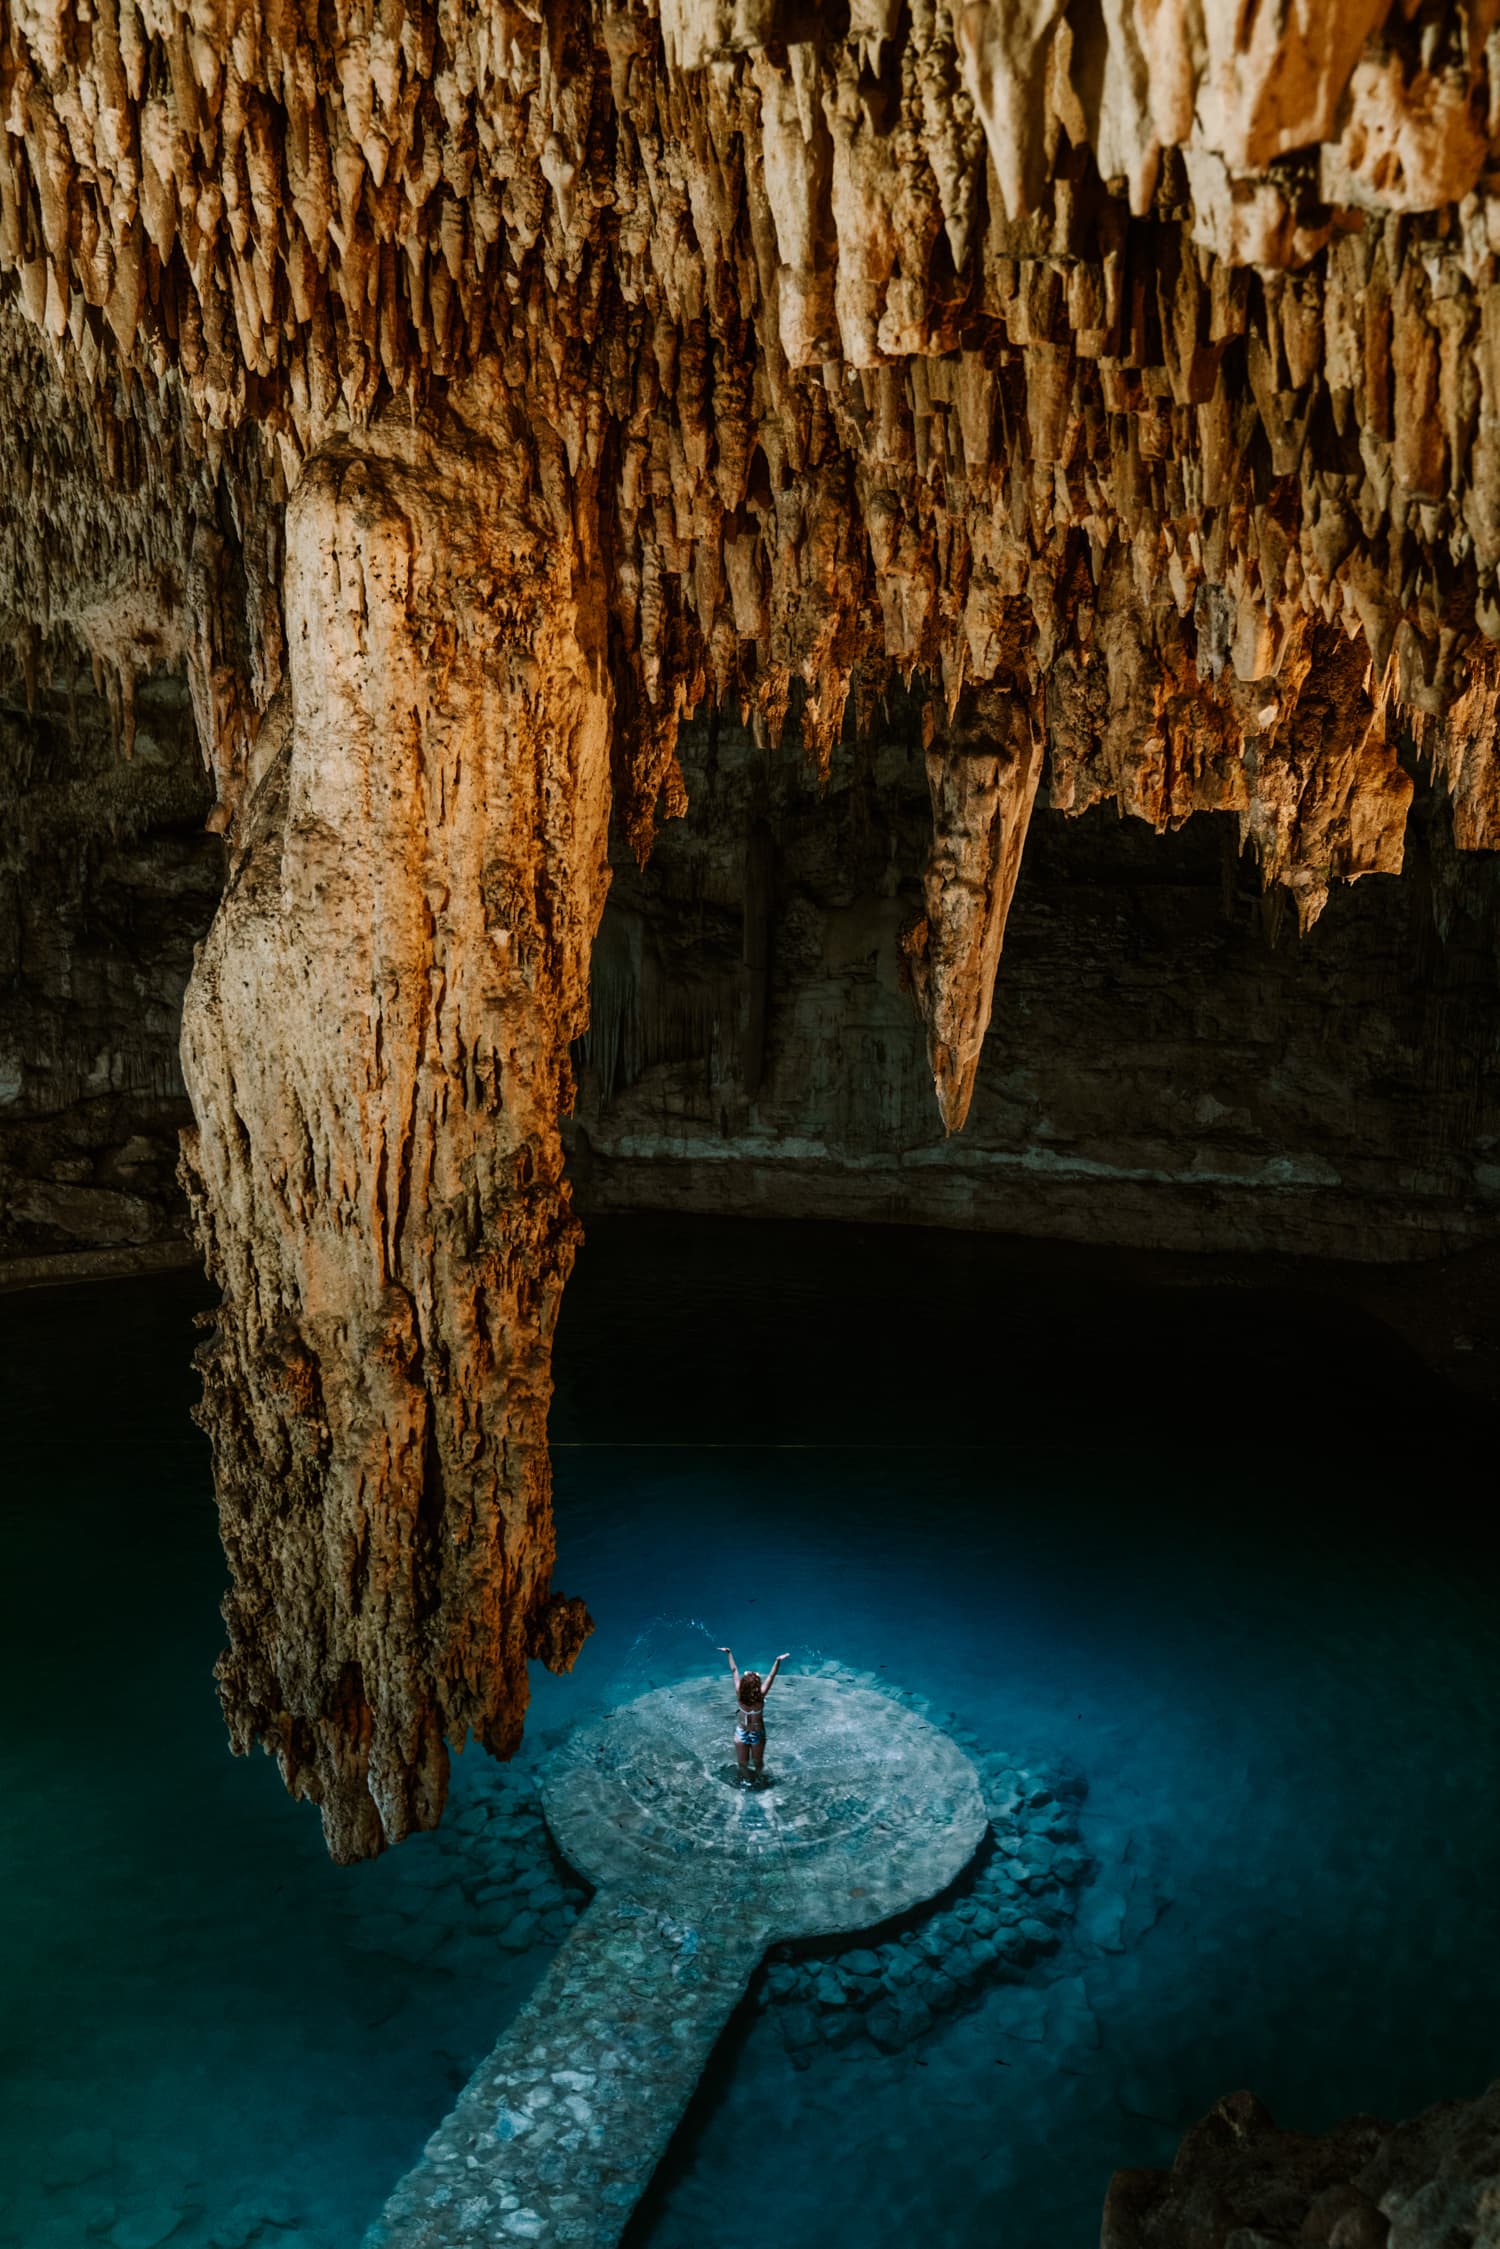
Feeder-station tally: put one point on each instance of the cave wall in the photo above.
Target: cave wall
(1241, 2181)
(1123, 383)
(1127, 376)
(107, 880)
(1169, 1062)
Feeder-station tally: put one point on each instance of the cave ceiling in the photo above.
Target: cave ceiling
(462, 395)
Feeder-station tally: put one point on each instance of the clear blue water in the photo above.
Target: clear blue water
(1230, 1552)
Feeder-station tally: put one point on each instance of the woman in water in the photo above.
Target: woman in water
(750, 1717)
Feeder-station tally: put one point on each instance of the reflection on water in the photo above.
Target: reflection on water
(1215, 1548)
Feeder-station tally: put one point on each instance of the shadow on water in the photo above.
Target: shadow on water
(702, 1331)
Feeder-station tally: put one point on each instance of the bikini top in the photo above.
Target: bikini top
(750, 1714)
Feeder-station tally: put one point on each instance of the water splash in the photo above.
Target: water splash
(665, 1648)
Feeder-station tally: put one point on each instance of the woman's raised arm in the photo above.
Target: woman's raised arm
(734, 1667)
(771, 1681)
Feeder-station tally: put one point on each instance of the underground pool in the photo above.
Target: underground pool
(1194, 1578)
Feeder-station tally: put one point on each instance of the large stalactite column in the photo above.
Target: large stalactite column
(376, 1044)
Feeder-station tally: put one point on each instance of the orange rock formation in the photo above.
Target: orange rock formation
(462, 394)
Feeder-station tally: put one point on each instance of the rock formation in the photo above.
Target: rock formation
(106, 881)
(1241, 2183)
(1125, 377)
(418, 870)
(1171, 1065)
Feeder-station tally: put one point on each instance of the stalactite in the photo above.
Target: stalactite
(983, 781)
(375, 1040)
(1126, 378)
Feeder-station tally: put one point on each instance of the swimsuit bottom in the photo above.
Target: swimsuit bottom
(749, 1741)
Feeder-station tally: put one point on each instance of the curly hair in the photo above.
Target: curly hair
(752, 1693)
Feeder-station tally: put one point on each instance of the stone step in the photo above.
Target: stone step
(556, 2135)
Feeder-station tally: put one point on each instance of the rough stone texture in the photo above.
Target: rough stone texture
(1136, 364)
(1123, 379)
(137, 538)
(375, 1040)
(1010, 1918)
(866, 1811)
(1239, 2182)
(555, 2137)
(106, 881)
(1169, 1064)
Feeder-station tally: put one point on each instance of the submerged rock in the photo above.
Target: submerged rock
(895, 1990)
(232, 2229)
(76, 2156)
(146, 2229)
(1239, 2179)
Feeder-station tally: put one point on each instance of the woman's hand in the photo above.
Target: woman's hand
(726, 1651)
(784, 1656)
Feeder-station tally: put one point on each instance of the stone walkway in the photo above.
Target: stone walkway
(866, 1811)
(556, 2137)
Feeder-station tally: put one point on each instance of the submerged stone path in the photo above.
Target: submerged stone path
(866, 1812)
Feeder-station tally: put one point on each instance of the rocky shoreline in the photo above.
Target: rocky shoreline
(1241, 2182)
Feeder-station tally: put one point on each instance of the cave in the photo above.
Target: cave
(751, 863)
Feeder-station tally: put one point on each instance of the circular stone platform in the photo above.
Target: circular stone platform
(866, 1810)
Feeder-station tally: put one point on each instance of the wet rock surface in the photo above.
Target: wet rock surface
(1012, 1917)
(864, 1808)
(378, 1188)
(1241, 2182)
(557, 2134)
(1128, 375)
(486, 1901)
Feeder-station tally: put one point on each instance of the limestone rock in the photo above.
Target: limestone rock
(982, 794)
(375, 1040)
(1166, 333)
(106, 881)
(1169, 1063)
(1433, 2183)
(459, 398)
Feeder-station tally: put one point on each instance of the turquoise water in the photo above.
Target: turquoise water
(1220, 1550)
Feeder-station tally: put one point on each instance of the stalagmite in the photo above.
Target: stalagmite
(375, 1040)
